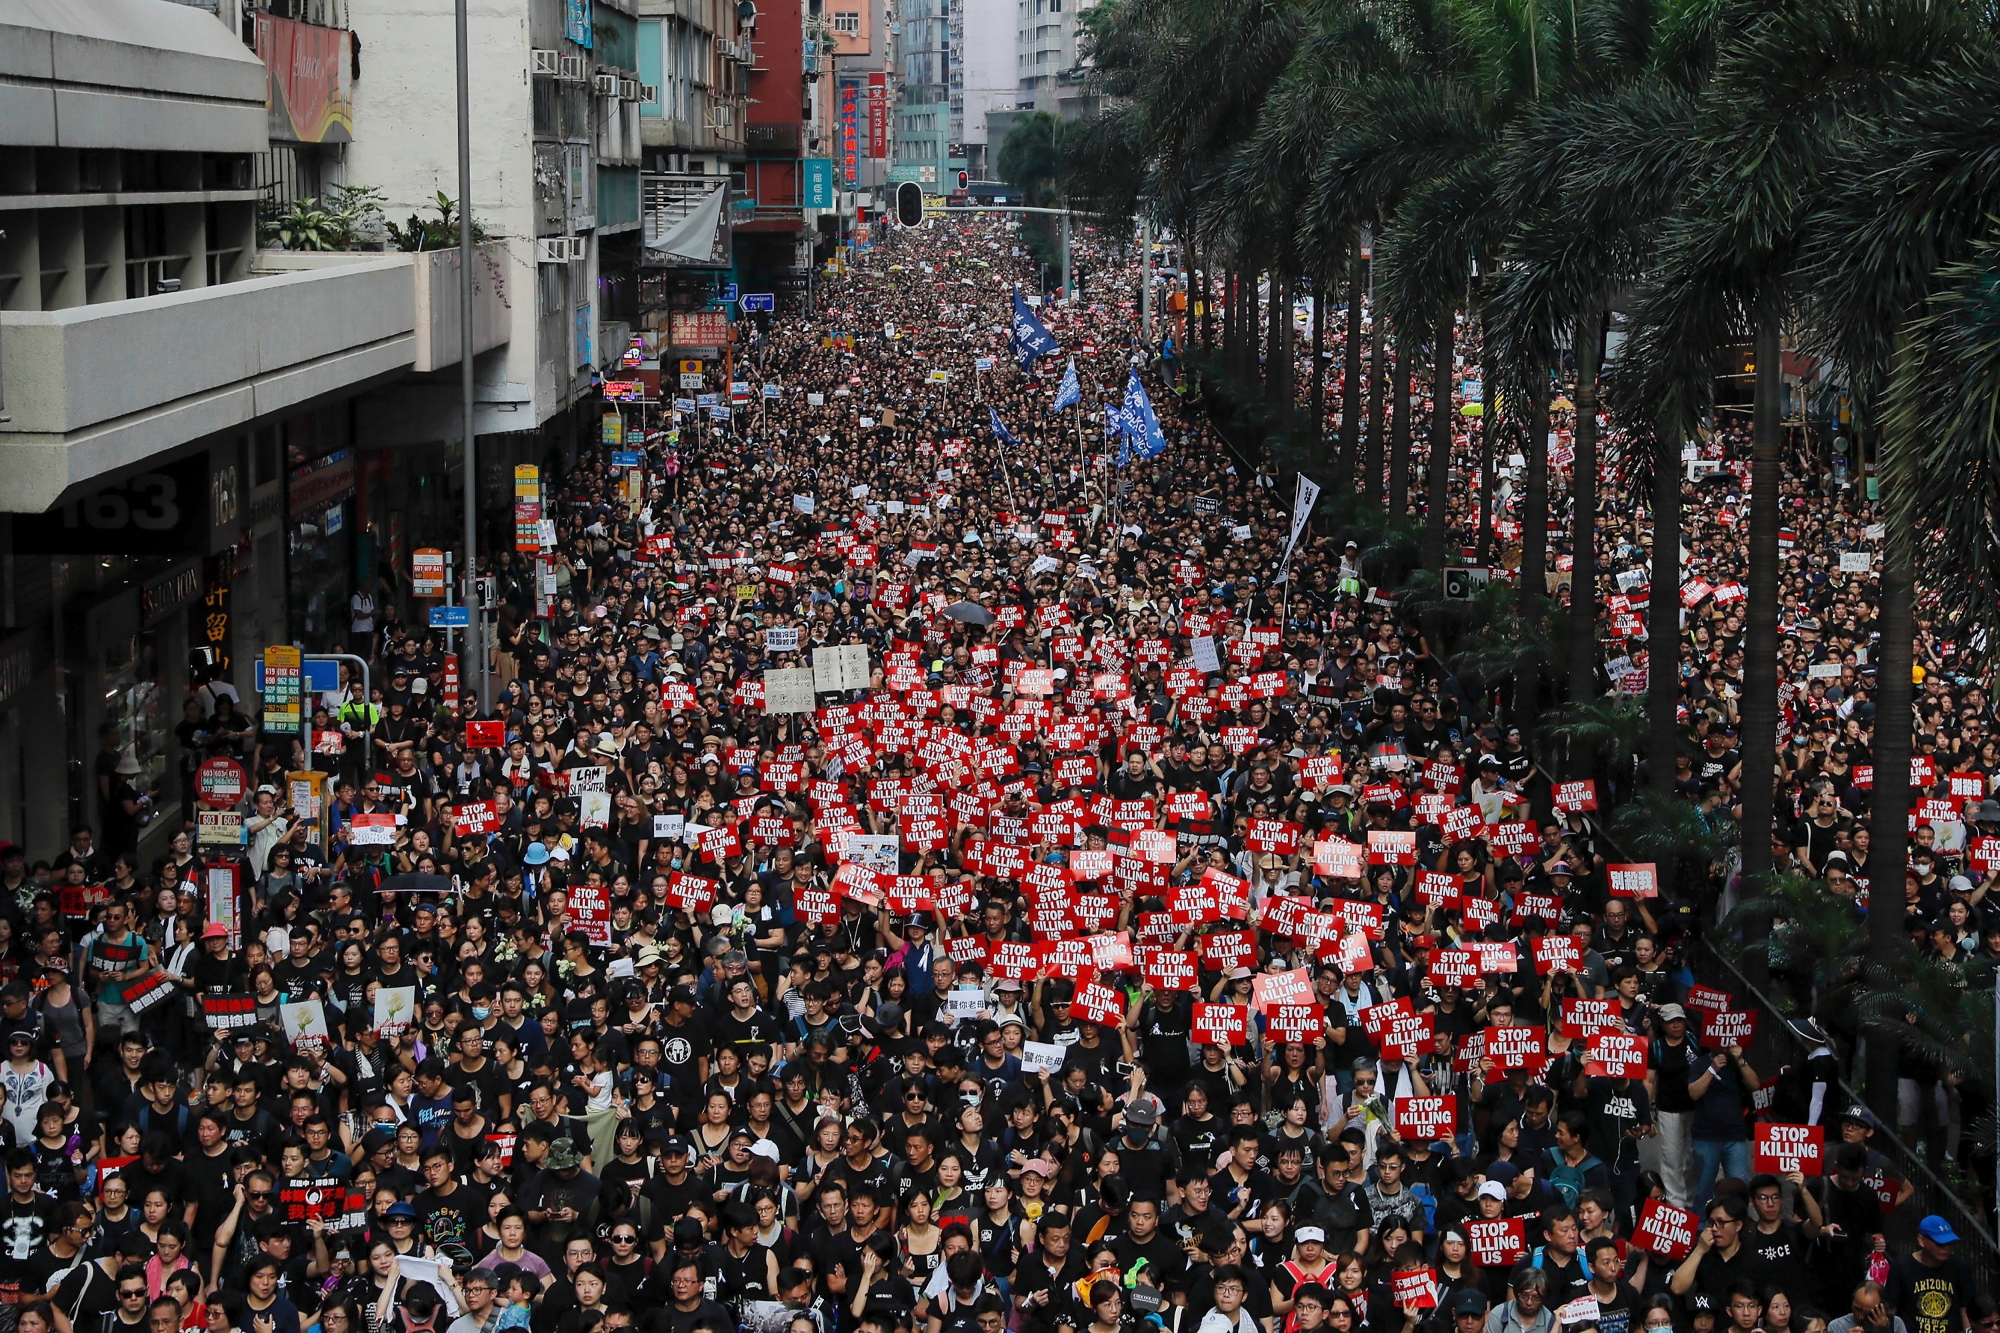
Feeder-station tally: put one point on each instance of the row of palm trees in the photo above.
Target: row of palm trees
(1823, 174)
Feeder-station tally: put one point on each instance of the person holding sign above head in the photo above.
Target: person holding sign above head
(1721, 1092)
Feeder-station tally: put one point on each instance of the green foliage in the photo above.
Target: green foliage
(1611, 731)
(433, 233)
(1815, 944)
(1668, 830)
(1031, 157)
(349, 217)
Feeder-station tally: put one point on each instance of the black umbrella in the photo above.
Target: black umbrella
(416, 882)
(972, 613)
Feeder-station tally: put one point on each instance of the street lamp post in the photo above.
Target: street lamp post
(476, 635)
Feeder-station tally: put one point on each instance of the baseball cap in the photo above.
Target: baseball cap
(1310, 1233)
(1668, 1013)
(400, 1208)
(215, 930)
(1468, 1301)
(1937, 1231)
(1492, 1189)
(1142, 1114)
(764, 1148)
(676, 1144)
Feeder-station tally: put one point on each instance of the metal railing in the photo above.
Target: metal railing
(1775, 1046)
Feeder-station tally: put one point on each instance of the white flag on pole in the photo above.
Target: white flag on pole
(1302, 507)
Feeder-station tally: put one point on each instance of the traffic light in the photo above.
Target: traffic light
(964, 178)
(909, 204)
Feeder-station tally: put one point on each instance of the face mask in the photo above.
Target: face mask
(480, 1012)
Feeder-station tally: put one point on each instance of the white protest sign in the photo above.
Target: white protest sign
(1041, 1057)
(788, 690)
(842, 666)
(880, 852)
(305, 1020)
(395, 1009)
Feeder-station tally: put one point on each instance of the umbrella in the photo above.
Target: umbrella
(416, 882)
(972, 613)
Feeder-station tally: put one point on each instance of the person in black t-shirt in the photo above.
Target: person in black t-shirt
(1557, 1256)
(1164, 1023)
(743, 1024)
(1143, 1238)
(1782, 1244)
(1148, 1164)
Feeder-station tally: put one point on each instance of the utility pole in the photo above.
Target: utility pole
(476, 635)
(1068, 293)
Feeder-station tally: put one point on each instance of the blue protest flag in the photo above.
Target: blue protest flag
(1030, 339)
(1000, 430)
(1069, 392)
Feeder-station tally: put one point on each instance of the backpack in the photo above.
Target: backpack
(1566, 1180)
(1430, 1203)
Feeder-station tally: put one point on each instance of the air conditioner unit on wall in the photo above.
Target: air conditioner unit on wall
(573, 68)
(649, 92)
(545, 62)
(605, 85)
(628, 90)
(552, 250)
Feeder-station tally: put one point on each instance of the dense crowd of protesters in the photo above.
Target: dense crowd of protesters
(1137, 939)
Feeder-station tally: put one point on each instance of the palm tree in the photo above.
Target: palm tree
(1902, 289)
(1592, 176)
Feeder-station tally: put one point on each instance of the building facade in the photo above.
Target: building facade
(179, 403)
(990, 77)
(1051, 59)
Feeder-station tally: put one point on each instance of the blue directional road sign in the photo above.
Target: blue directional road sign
(728, 293)
(451, 617)
(625, 459)
(752, 302)
(322, 675)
